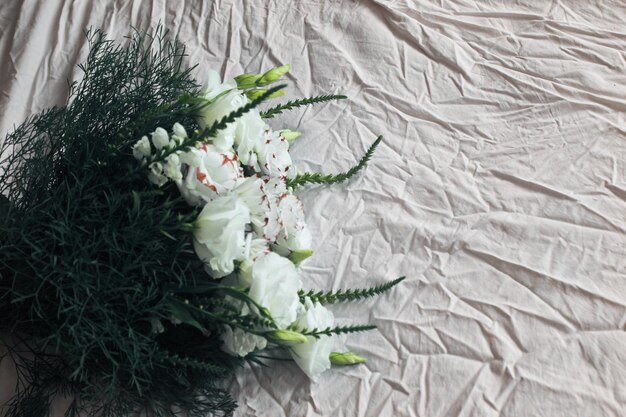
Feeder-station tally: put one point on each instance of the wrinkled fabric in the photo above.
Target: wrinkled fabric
(499, 190)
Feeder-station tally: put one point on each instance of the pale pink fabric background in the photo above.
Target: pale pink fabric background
(500, 190)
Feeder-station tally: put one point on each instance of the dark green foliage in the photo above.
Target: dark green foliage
(330, 297)
(85, 259)
(317, 178)
(292, 104)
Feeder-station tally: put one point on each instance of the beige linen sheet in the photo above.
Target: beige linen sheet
(499, 190)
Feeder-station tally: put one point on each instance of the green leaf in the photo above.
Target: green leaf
(180, 311)
(299, 255)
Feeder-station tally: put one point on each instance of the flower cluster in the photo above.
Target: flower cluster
(251, 228)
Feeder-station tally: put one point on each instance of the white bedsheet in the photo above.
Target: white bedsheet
(499, 191)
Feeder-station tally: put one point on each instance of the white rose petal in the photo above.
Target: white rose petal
(191, 157)
(255, 249)
(298, 241)
(239, 343)
(225, 98)
(313, 357)
(274, 284)
(219, 236)
(215, 86)
(248, 134)
(216, 174)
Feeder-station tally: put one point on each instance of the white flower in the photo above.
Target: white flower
(192, 157)
(255, 248)
(295, 234)
(179, 130)
(215, 87)
(160, 138)
(238, 342)
(298, 241)
(216, 174)
(263, 207)
(248, 134)
(274, 284)
(219, 235)
(273, 154)
(313, 357)
(142, 148)
(275, 186)
(224, 98)
(172, 168)
(155, 175)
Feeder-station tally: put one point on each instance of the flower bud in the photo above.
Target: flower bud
(346, 358)
(287, 337)
(142, 149)
(299, 255)
(274, 75)
(179, 130)
(245, 81)
(254, 94)
(289, 134)
(160, 138)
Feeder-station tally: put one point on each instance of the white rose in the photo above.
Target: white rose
(273, 154)
(160, 138)
(142, 148)
(225, 98)
(219, 235)
(191, 157)
(215, 87)
(216, 174)
(248, 134)
(255, 249)
(313, 357)
(274, 284)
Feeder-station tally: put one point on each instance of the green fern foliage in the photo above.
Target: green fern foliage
(330, 297)
(292, 104)
(317, 178)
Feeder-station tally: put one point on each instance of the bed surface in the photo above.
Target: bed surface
(499, 190)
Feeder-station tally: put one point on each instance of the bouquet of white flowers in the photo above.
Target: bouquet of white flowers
(151, 236)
